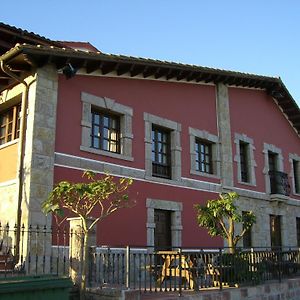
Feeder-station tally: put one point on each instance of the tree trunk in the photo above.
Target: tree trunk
(231, 244)
(84, 262)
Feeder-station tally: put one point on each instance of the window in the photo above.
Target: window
(161, 156)
(245, 159)
(272, 161)
(276, 180)
(203, 156)
(105, 131)
(162, 148)
(275, 231)
(106, 127)
(10, 124)
(296, 169)
(247, 239)
(244, 162)
(279, 182)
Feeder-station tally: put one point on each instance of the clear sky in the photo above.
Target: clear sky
(254, 36)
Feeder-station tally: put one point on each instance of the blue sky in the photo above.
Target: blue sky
(257, 36)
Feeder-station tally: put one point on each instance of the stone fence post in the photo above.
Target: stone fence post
(76, 247)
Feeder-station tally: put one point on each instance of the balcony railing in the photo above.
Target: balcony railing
(279, 183)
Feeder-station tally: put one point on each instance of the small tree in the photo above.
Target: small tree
(219, 217)
(105, 194)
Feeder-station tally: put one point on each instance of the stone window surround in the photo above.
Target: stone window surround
(214, 140)
(274, 149)
(125, 113)
(176, 225)
(294, 157)
(251, 160)
(175, 146)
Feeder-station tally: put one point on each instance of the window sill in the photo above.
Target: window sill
(203, 174)
(247, 183)
(106, 153)
(9, 144)
(161, 180)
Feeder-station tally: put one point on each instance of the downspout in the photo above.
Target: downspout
(22, 140)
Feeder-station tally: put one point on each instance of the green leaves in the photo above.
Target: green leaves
(218, 216)
(105, 194)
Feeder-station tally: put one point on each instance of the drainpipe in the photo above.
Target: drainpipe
(22, 140)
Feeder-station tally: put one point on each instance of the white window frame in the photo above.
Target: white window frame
(108, 105)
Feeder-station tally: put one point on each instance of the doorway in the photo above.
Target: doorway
(162, 231)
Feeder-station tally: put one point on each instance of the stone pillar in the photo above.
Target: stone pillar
(40, 145)
(38, 165)
(224, 129)
(76, 247)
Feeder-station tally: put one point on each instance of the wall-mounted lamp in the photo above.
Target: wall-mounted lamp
(69, 71)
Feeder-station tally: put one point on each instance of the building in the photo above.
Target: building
(184, 133)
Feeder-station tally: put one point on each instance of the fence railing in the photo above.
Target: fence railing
(42, 250)
(195, 269)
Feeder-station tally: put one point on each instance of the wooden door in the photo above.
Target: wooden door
(162, 231)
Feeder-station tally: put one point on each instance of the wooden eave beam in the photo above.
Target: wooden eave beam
(200, 77)
(136, 70)
(108, 67)
(160, 73)
(148, 71)
(181, 75)
(170, 74)
(290, 110)
(122, 69)
(295, 117)
(192, 75)
(92, 66)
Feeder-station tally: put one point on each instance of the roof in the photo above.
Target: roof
(10, 35)
(23, 59)
(84, 46)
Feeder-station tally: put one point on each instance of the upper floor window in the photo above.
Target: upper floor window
(161, 156)
(106, 127)
(105, 131)
(10, 124)
(245, 159)
(279, 183)
(273, 157)
(203, 156)
(162, 148)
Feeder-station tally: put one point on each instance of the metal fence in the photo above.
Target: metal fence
(42, 250)
(190, 269)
